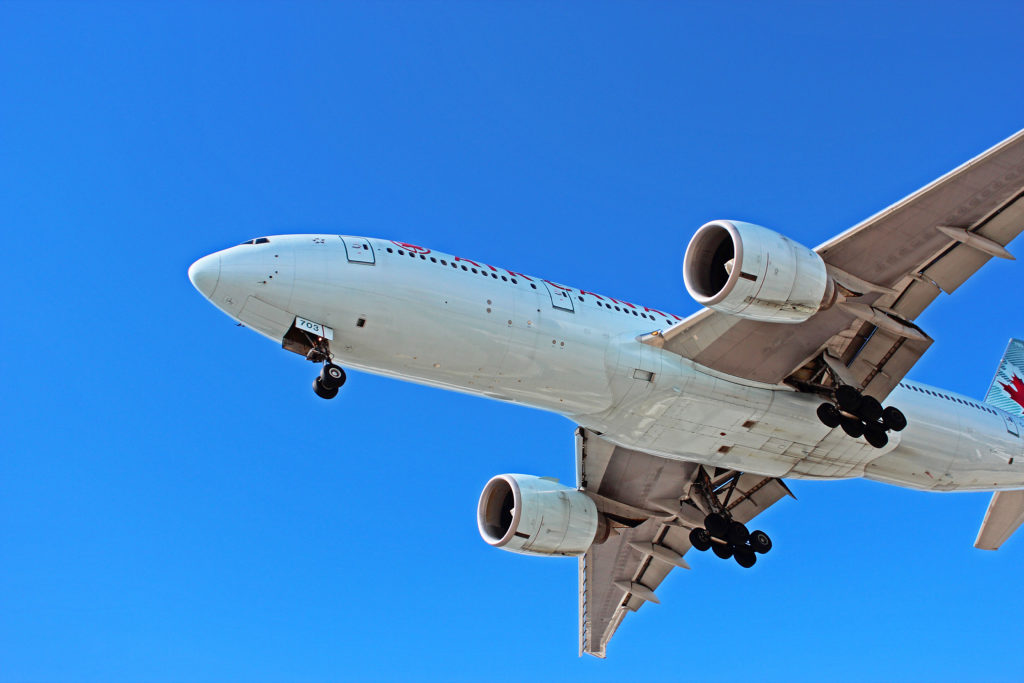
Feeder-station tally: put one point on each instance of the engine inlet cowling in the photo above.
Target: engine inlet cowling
(752, 272)
(536, 516)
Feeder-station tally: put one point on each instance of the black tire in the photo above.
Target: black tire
(876, 436)
(332, 376)
(745, 557)
(322, 391)
(738, 533)
(717, 525)
(853, 427)
(700, 539)
(723, 550)
(870, 409)
(894, 419)
(848, 398)
(760, 542)
(829, 415)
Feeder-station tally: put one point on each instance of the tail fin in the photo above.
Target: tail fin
(1007, 389)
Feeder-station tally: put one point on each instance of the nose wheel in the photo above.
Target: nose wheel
(329, 381)
(861, 415)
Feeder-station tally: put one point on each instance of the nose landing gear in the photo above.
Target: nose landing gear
(331, 377)
(861, 415)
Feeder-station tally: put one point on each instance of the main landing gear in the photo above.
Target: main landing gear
(331, 377)
(861, 415)
(723, 535)
(727, 538)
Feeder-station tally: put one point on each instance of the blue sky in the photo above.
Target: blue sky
(177, 505)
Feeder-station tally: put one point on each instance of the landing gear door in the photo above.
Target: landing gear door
(358, 250)
(560, 298)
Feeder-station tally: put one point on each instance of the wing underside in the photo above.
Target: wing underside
(890, 268)
(652, 507)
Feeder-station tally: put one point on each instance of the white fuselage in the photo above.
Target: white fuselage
(457, 324)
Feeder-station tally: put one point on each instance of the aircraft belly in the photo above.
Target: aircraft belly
(481, 340)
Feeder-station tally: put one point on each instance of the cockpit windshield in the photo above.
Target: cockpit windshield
(258, 240)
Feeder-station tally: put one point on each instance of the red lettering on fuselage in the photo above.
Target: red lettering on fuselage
(411, 247)
(423, 250)
(624, 303)
(564, 289)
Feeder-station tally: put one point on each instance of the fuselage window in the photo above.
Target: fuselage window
(390, 250)
(443, 262)
(465, 268)
(401, 253)
(412, 255)
(533, 286)
(433, 260)
(422, 257)
(514, 281)
(504, 279)
(494, 276)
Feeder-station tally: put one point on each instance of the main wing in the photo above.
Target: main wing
(893, 265)
(652, 510)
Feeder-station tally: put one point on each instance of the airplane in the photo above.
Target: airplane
(795, 368)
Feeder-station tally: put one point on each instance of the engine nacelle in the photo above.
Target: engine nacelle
(535, 516)
(752, 272)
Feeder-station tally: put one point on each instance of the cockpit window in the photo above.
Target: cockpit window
(258, 240)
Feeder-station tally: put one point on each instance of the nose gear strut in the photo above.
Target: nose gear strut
(331, 377)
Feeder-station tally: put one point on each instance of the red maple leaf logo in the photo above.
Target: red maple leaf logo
(1015, 389)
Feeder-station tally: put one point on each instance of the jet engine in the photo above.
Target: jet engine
(538, 516)
(752, 272)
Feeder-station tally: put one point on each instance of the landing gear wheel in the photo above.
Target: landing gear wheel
(894, 419)
(723, 550)
(848, 398)
(829, 415)
(745, 557)
(853, 427)
(700, 539)
(738, 533)
(332, 376)
(760, 542)
(322, 391)
(717, 525)
(876, 436)
(870, 409)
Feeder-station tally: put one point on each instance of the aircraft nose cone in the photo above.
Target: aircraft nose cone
(205, 274)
